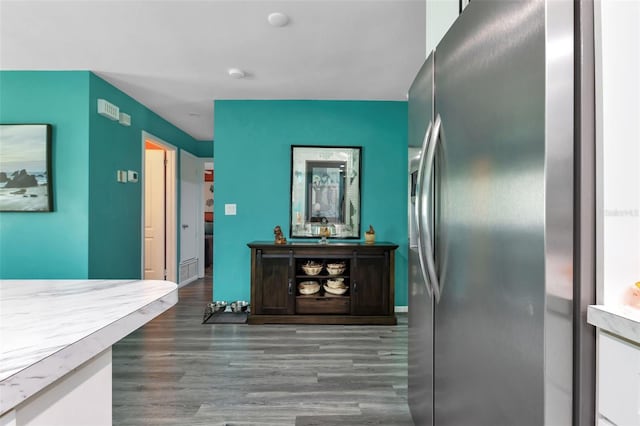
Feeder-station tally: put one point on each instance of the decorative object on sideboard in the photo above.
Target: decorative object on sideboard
(324, 231)
(370, 236)
(279, 237)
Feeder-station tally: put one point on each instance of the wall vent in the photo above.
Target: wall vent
(188, 271)
(125, 119)
(109, 110)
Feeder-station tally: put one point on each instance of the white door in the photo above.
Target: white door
(154, 215)
(159, 206)
(191, 218)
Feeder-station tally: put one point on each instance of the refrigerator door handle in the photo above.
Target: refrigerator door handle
(429, 252)
(418, 207)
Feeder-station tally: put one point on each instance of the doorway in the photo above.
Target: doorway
(158, 209)
(191, 218)
(208, 196)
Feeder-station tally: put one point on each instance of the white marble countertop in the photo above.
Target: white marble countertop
(50, 327)
(621, 320)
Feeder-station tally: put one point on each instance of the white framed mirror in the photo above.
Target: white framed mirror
(325, 191)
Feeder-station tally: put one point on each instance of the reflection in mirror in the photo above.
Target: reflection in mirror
(325, 192)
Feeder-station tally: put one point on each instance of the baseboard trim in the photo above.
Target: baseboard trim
(402, 309)
(187, 281)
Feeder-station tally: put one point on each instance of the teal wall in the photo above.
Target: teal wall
(50, 245)
(204, 149)
(115, 209)
(252, 165)
(95, 228)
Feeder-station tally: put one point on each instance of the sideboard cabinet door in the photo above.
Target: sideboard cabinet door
(370, 292)
(275, 295)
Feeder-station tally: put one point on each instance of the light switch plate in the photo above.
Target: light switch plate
(230, 209)
(132, 176)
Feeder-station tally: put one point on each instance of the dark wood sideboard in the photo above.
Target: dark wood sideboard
(276, 271)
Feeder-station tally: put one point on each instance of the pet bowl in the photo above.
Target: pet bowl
(239, 306)
(218, 306)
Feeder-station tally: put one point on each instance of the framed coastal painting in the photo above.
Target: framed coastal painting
(25, 168)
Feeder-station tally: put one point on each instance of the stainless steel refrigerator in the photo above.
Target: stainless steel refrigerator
(494, 332)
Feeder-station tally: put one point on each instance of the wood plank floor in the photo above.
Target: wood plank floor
(177, 371)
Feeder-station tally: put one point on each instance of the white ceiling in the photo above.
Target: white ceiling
(173, 56)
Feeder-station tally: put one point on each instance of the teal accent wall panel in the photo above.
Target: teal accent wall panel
(50, 245)
(252, 169)
(115, 225)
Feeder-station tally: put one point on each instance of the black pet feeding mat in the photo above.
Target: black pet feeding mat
(224, 317)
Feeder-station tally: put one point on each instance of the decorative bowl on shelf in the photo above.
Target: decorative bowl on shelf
(309, 287)
(336, 283)
(312, 268)
(336, 268)
(337, 291)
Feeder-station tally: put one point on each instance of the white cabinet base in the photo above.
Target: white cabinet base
(618, 381)
(81, 398)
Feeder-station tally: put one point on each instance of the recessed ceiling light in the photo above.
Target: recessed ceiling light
(236, 73)
(278, 19)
